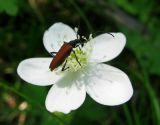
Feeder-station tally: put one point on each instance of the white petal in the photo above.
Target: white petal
(36, 71)
(108, 85)
(56, 35)
(106, 47)
(66, 95)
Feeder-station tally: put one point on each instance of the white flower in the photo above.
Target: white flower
(107, 85)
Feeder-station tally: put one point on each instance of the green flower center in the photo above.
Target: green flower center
(79, 58)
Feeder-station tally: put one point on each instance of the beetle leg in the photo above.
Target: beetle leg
(53, 53)
(79, 47)
(76, 57)
(64, 66)
(82, 44)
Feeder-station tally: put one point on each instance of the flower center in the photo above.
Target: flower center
(79, 58)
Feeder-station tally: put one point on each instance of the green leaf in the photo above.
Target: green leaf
(147, 50)
(92, 110)
(49, 120)
(35, 93)
(9, 6)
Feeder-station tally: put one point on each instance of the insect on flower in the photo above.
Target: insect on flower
(77, 68)
(64, 52)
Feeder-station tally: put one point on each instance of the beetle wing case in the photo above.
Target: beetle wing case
(62, 54)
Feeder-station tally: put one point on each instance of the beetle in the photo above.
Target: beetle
(64, 52)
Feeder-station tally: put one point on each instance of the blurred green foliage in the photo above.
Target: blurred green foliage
(22, 24)
(9, 6)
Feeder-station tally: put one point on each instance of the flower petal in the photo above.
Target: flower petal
(106, 47)
(37, 72)
(108, 85)
(56, 35)
(66, 95)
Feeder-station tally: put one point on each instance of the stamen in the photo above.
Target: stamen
(75, 63)
(76, 29)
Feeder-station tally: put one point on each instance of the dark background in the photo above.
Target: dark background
(22, 24)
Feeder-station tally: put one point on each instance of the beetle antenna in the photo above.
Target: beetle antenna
(101, 31)
(111, 34)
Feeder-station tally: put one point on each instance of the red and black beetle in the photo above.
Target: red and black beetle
(64, 52)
